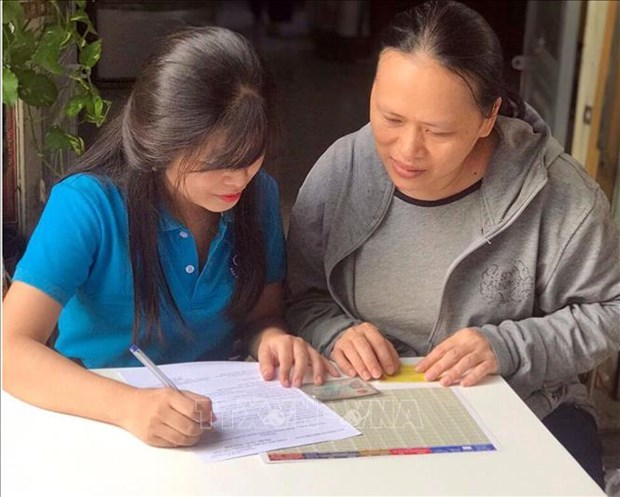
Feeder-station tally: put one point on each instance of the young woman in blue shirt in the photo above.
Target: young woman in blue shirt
(167, 234)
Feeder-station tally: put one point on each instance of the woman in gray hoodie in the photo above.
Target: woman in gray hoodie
(453, 226)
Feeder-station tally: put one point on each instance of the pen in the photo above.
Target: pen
(150, 365)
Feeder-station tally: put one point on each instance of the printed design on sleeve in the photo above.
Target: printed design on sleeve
(506, 285)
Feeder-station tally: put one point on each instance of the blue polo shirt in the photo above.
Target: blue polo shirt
(79, 255)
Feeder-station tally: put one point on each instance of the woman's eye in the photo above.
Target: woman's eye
(391, 120)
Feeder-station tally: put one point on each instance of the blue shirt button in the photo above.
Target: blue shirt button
(189, 269)
(183, 234)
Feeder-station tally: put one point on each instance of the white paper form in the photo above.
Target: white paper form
(253, 415)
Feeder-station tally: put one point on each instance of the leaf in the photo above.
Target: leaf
(12, 12)
(101, 118)
(81, 3)
(79, 16)
(66, 38)
(97, 111)
(37, 89)
(47, 54)
(90, 54)
(9, 86)
(22, 48)
(94, 108)
(76, 143)
(107, 105)
(98, 105)
(56, 139)
(82, 17)
(8, 38)
(75, 105)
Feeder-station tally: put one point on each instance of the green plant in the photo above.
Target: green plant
(37, 44)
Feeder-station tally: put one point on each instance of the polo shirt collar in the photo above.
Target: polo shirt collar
(167, 222)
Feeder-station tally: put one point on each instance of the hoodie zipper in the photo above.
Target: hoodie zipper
(487, 239)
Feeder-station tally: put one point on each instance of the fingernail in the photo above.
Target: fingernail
(366, 375)
(319, 380)
(297, 383)
(285, 383)
(376, 373)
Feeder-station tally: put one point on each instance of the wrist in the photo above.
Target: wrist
(125, 399)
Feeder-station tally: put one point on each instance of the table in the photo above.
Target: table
(46, 453)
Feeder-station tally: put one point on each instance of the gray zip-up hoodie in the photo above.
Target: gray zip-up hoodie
(542, 281)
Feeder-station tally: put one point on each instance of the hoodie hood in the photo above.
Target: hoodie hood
(518, 168)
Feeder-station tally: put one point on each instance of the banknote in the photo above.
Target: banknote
(340, 389)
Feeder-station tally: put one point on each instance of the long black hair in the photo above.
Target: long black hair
(205, 89)
(459, 39)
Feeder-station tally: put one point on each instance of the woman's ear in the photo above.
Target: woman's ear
(489, 122)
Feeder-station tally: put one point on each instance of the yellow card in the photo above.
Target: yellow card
(406, 374)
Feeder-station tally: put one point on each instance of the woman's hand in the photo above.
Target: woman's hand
(164, 417)
(278, 348)
(363, 350)
(274, 347)
(465, 357)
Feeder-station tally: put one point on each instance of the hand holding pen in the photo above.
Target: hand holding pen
(164, 417)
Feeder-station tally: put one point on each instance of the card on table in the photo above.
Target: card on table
(340, 389)
(406, 374)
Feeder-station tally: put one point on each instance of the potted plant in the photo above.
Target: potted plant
(38, 38)
(49, 50)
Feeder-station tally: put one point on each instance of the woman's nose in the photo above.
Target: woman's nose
(411, 144)
(237, 178)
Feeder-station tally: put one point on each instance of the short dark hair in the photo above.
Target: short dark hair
(206, 88)
(459, 39)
